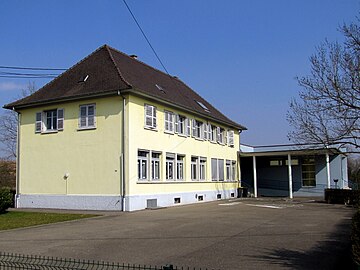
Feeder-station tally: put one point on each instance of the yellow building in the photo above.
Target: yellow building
(112, 133)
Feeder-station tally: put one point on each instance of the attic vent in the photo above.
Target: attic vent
(160, 88)
(83, 79)
(202, 106)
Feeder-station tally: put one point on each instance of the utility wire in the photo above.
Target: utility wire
(152, 48)
(30, 68)
(26, 77)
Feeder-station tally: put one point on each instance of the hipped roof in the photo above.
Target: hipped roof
(111, 72)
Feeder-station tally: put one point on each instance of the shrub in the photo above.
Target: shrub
(6, 199)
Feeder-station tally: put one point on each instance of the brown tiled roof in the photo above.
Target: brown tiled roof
(110, 71)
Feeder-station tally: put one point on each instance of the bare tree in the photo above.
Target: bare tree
(354, 169)
(8, 125)
(328, 110)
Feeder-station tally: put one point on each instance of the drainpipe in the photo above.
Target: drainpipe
(17, 158)
(122, 156)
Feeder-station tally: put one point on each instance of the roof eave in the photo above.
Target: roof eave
(166, 102)
(12, 106)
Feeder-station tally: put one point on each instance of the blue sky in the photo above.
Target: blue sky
(242, 56)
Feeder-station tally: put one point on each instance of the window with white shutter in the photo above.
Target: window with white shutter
(231, 137)
(188, 127)
(87, 116)
(150, 116)
(38, 122)
(60, 119)
(220, 135)
(49, 121)
(169, 121)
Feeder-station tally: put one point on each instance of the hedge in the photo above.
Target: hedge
(6, 199)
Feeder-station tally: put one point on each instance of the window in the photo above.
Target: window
(149, 165)
(181, 123)
(231, 138)
(220, 135)
(143, 159)
(230, 170)
(217, 169)
(50, 120)
(170, 166)
(180, 167)
(202, 106)
(150, 116)
(198, 168)
(197, 129)
(233, 170)
(202, 170)
(194, 168)
(212, 133)
(155, 166)
(87, 116)
(308, 172)
(169, 121)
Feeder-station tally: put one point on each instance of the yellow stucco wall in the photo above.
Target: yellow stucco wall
(157, 140)
(90, 157)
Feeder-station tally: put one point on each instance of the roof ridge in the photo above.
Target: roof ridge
(117, 68)
(141, 62)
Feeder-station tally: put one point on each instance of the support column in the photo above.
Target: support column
(328, 169)
(290, 177)
(255, 176)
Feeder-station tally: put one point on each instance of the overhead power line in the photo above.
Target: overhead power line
(143, 33)
(30, 68)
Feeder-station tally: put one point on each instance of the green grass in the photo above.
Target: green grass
(12, 220)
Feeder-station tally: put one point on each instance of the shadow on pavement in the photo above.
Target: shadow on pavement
(333, 253)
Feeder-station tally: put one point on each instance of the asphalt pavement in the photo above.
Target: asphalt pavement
(245, 233)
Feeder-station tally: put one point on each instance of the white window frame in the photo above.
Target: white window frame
(197, 129)
(194, 168)
(87, 120)
(233, 170)
(230, 138)
(169, 121)
(170, 166)
(180, 167)
(155, 161)
(220, 135)
(202, 169)
(180, 125)
(41, 125)
(140, 161)
(150, 116)
(217, 170)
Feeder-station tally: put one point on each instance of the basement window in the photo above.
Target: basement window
(177, 200)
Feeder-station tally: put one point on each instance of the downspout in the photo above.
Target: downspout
(122, 156)
(17, 159)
